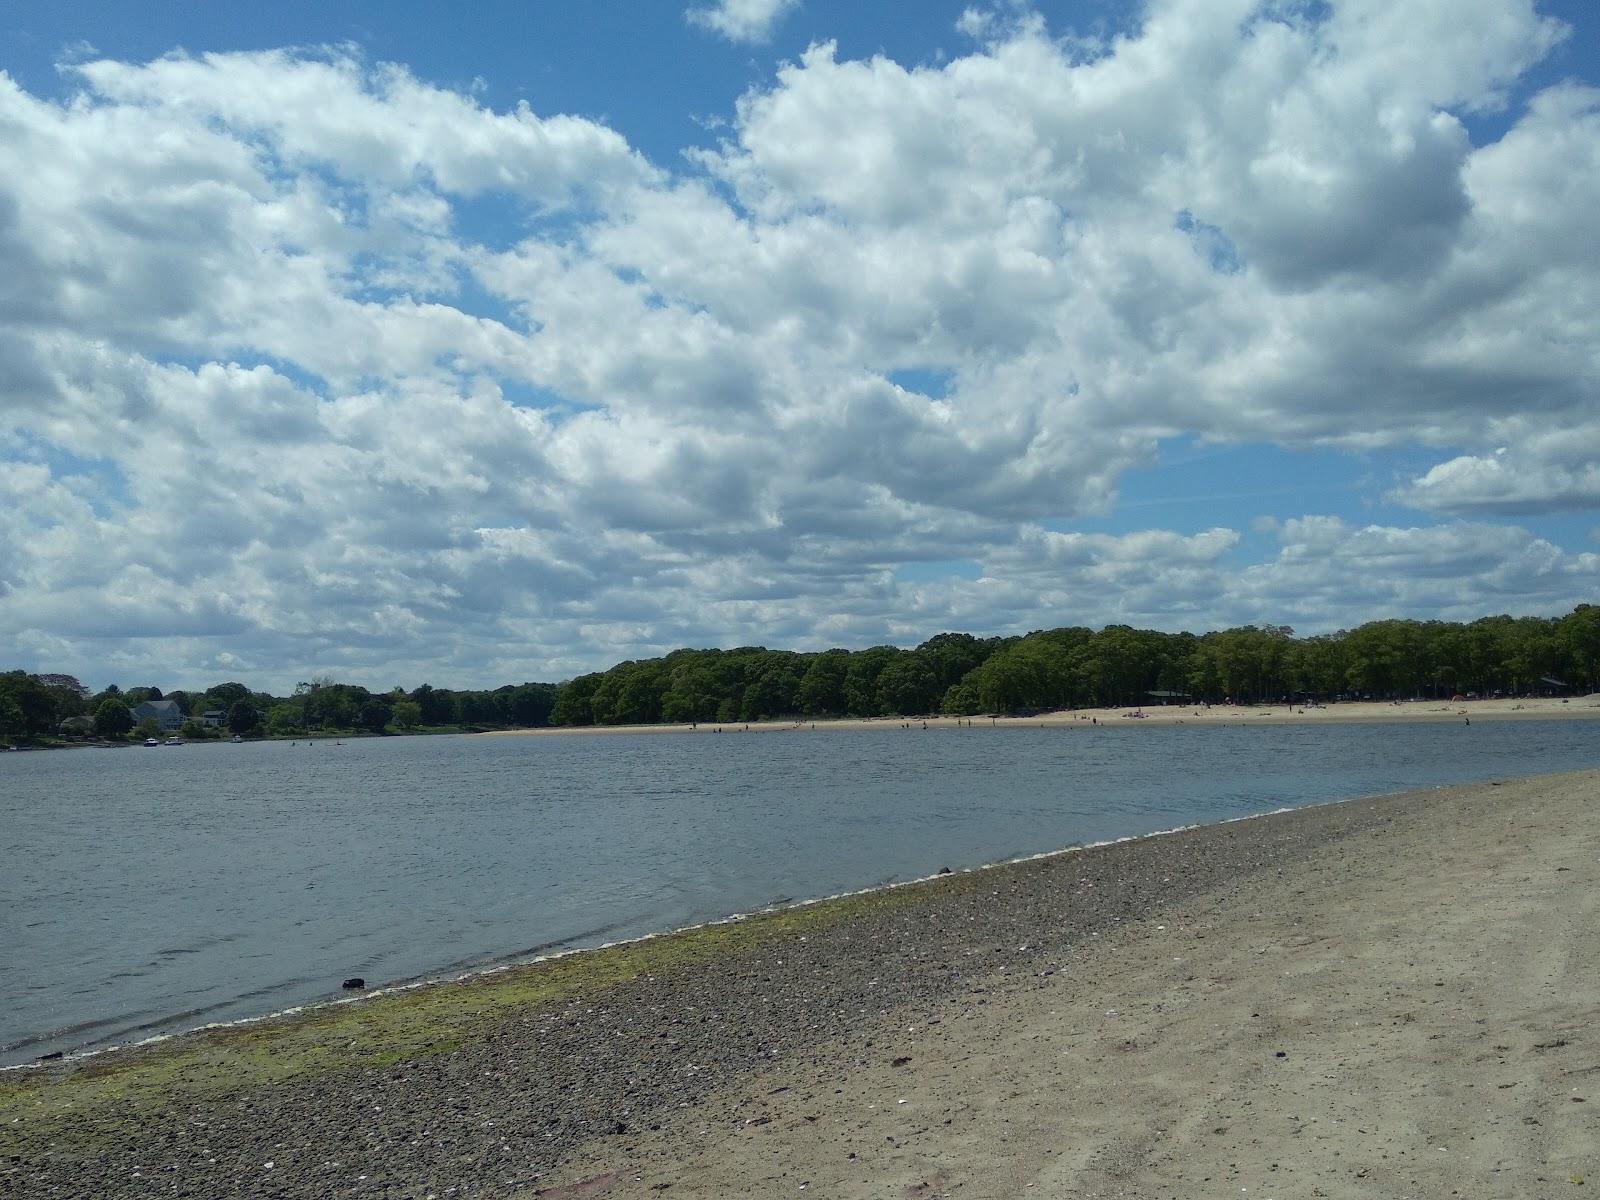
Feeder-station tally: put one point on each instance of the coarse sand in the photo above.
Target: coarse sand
(1409, 1012)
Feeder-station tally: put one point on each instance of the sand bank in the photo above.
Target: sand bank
(1385, 997)
(1349, 712)
(1409, 1011)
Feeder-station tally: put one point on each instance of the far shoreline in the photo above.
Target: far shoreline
(1349, 712)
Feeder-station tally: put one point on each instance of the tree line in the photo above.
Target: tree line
(40, 706)
(951, 673)
(1076, 667)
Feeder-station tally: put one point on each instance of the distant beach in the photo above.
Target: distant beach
(1351, 711)
(1391, 995)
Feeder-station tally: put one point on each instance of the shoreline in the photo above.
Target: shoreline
(1349, 712)
(622, 1036)
(312, 1009)
(1407, 1013)
(1352, 712)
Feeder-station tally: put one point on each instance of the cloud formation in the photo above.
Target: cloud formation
(279, 398)
(750, 21)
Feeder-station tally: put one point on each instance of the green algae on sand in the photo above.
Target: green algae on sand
(93, 1097)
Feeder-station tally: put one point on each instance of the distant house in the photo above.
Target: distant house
(165, 713)
(214, 718)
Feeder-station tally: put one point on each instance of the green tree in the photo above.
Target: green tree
(961, 700)
(574, 701)
(821, 691)
(952, 656)
(1578, 637)
(528, 704)
(374, 714)
(226, 695)
(691, 693)
(861, 680)
(67, 693)
(908, 686)
(334, 706)
(147, 729)
(12, 720)
(629, 693)
(774, 687)
(438, 704)
(407, 714)
(244, 717)
(33, 699)
(284, 718)
(112, 719)
(1025, 676)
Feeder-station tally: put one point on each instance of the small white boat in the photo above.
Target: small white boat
(237, 739)
(151, 742)
(174, 741)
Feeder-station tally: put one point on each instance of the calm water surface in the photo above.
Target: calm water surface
(148, 891)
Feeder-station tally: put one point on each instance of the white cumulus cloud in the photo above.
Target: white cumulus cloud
(741, 20)
(272, 391)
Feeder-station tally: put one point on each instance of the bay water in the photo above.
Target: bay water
(146, 891)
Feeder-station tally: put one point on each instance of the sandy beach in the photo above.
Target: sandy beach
(1387, 997)
(1407, 1012)
(1350, 711)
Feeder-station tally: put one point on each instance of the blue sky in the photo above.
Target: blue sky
(504, 343)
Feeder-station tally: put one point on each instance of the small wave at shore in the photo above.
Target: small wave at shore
(565, 948)
(114, 1033)
(549, 846)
